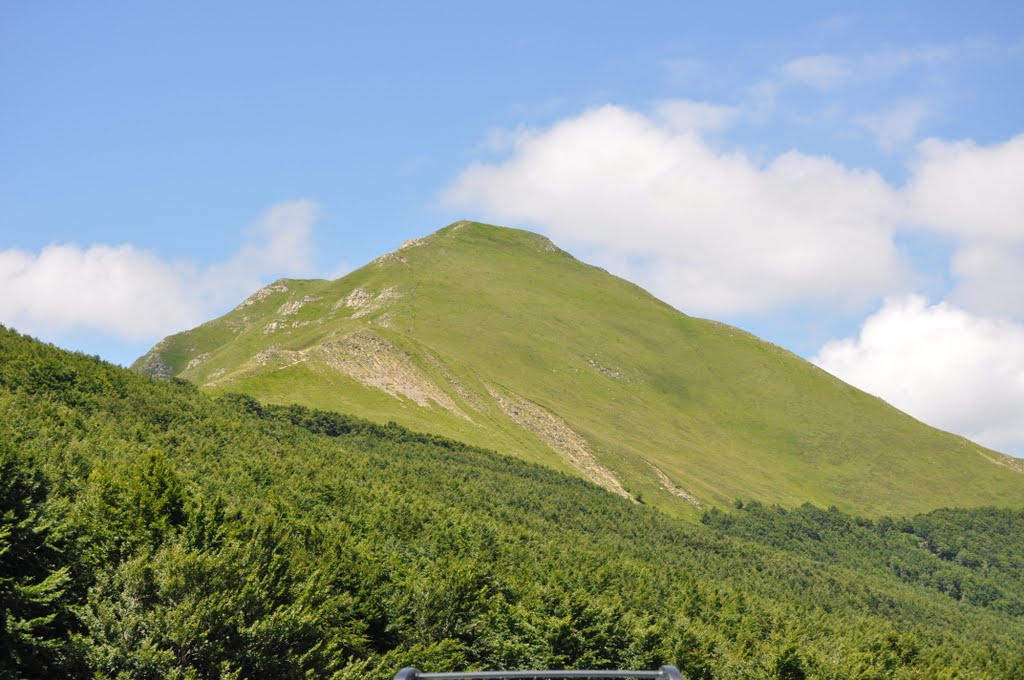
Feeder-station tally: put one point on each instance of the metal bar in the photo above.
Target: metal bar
(483, 675)
(413, 674)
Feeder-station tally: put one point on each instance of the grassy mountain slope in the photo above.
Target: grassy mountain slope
(496, 337)
(150, 531)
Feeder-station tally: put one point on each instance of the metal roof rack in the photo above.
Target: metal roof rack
(663, 673)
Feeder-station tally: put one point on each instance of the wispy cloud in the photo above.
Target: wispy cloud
(898, 125)
(891, 93)
(823, 71)
(683, 71)
(828, 71)
(685, 115)
(500, 140)
(886, 62)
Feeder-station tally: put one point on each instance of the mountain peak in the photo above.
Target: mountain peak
(495, 337)
(479, 232)
(473, 239)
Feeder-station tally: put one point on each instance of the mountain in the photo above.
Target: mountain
(148, 530)
(498, 338)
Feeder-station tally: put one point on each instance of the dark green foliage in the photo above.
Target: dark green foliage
(151, 532)
(974, 556)
(34, 621)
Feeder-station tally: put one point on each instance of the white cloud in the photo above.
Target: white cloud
(896, 126)
(828, 71)
(716, 232)
(135, 294)
(823, 71)
(952, 369)
(990, 279)
(279, 241)
(128, 292)
(968, 190)
(975, 194)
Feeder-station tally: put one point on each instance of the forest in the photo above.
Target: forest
(150, 531)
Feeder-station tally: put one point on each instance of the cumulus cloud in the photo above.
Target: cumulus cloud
(990, 279)
(970, 191)
(975, 195)
(129, 292)
(946, 366)
(714, 231)
(135, 294)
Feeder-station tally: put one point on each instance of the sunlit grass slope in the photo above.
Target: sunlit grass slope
(496, 337)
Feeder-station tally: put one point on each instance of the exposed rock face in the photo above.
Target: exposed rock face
(546, 245)
(293, 306)
(199, 360)
(605, 370)
(366, 302)
(377, 363)
(359, 297)
(152, 362)
(153, 365)
(561, 438)
(264, 293)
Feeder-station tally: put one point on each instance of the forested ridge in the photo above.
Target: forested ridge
(149, 531)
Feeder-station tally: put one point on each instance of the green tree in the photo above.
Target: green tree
(34, 621)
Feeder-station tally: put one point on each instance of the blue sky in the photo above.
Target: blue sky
(844, 180)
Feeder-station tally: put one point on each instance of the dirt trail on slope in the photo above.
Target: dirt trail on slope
(1004, 460)
(669, 485)
(474, 401)
(561, 438)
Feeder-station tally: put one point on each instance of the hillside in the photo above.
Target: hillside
(496, 337)
(150, 531)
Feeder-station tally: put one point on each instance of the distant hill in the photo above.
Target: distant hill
(498, 338)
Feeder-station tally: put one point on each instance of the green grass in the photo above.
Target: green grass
(723, 414)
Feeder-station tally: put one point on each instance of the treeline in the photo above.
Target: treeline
(973, 556)
(147, 531)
